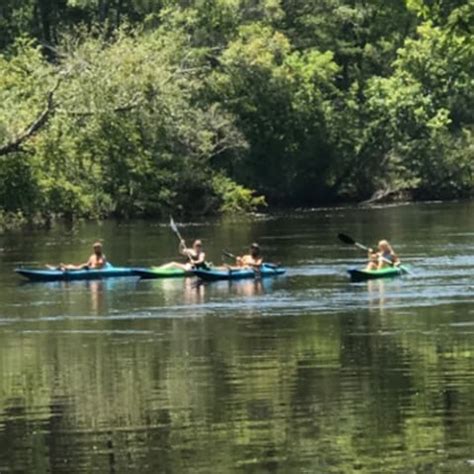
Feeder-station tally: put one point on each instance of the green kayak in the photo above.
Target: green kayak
(389, 272)
(160, 272)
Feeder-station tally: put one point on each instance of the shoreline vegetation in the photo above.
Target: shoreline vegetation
(141, 109)
(17, 221)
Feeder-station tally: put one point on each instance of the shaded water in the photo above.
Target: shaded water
(304, 373)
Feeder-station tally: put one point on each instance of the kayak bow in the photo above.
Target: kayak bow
(224, 273)
(389, 272)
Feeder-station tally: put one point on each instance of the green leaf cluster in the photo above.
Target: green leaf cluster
(189, 107)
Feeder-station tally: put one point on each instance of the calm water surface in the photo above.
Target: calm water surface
(304, 373)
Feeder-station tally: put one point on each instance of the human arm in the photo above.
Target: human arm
(242, 261)
(183, 250)
(249, 261)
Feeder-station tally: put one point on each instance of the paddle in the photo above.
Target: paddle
(350, 241)
(346, 239)
(174, 228)
(226, 253)
(231, 255)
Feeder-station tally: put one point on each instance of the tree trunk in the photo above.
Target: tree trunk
(44, 8)
(103, 10)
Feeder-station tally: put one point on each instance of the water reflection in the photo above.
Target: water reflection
(93, 297)
(376, 294)
(303, 374)
(240, 288)
(194, 291)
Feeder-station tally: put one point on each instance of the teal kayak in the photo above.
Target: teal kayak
(389, 272)
(228, 273)
(159, 272)
(109, 271)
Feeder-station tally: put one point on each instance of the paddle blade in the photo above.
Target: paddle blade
(226, 253)
(346, 239)
(173, 226)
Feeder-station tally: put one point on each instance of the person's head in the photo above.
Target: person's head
(197, 245)
(255, 250)
(384, 246)
(97, 248)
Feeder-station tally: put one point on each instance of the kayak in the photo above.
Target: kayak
(36, 274)
(159, 272)
(389, 272)
(222, 273)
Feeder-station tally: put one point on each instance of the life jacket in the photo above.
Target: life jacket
(194, 258)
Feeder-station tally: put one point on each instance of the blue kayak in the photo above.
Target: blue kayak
(224, 273)
(109, 271)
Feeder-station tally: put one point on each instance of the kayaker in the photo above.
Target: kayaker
(252, 259)
(383, 257)
(96, 261)
(195, 256)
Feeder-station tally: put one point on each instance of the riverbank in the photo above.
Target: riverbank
(17, 221)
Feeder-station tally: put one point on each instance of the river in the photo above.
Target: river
(302, 373)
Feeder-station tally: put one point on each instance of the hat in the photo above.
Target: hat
(255, 246)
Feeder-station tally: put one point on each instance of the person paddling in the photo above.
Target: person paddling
(252, 259)
(383, 257)
(96, 261)
(196, 257)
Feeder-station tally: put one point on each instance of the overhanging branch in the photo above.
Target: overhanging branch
(34, 127)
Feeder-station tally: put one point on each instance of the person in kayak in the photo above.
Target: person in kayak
(96, 261)
(195, 256)
(383, 257)
(252, 259)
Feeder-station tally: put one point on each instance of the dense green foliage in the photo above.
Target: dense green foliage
(143, 107)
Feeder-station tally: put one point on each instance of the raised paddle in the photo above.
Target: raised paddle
(346, 239)
(174, 228)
